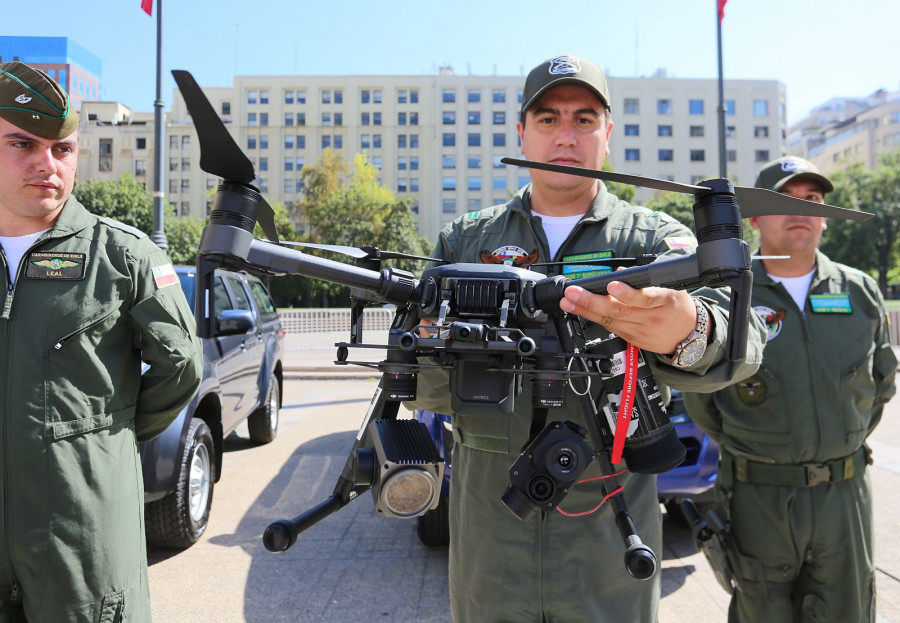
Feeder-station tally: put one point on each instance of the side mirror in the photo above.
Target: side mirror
(235, 321)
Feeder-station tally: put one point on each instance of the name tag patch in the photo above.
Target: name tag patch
(577, 271)
(830, 303)
(48, 265)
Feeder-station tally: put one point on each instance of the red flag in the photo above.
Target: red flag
(721, 9)
(147, 5)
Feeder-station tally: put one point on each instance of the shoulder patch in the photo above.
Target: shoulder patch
(471, 215)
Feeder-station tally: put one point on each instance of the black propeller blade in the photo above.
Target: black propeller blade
(364, 252)
(753, 201)
(219, 153)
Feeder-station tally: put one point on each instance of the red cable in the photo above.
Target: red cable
(605, 497)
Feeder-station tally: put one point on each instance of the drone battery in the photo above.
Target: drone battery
(409, 470)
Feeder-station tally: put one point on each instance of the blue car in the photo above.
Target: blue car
(694, 478)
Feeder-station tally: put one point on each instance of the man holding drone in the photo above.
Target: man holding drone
(793, 484)
(553, 567)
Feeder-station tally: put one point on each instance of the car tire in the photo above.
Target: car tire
(178, 520)
(434, 526)
(263, 423)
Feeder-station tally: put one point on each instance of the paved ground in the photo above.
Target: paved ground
(356, 565)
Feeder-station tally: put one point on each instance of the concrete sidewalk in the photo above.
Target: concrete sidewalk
(320, 364)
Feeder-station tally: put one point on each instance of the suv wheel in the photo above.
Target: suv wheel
(434, 526)
(263, 423)
(180, 518)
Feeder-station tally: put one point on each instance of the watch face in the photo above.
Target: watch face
(692, 352)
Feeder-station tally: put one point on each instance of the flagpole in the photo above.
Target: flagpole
(159, 234)
(723, 166)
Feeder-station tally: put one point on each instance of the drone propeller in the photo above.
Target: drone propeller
(753, 201)
(220, 155)
(364, 252)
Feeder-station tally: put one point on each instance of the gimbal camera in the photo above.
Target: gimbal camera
(481, 317)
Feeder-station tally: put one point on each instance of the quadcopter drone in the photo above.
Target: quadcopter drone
(471, 320)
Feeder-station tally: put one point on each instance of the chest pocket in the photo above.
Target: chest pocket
(89, 357)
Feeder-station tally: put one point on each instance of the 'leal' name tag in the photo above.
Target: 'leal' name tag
(44, 265)
(830, 303)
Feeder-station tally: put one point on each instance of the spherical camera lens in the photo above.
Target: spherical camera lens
(540, 489)
(562, 460)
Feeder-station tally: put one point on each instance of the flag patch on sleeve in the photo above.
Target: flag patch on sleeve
(164, 276)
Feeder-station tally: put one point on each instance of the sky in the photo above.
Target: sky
(818, 48)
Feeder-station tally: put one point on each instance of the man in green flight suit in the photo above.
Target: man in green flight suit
(552, 567)
(793, 483)
(84, 300)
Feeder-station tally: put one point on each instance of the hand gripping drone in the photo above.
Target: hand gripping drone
(478, 316)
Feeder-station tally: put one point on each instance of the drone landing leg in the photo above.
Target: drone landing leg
(640, 561)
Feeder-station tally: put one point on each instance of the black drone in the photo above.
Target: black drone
(476, 317)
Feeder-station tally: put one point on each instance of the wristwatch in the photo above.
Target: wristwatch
(692, 348)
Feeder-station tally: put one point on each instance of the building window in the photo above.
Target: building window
(401, 118)
(263, 163)
(326, 141)
(632, 106)
(698, 155)
(499, 118)
(365, 120)
(288, 118)
(413, 163)
(376, 97)
(365, 141)
(474, 162)
(289, 142)
(173, 187)
(365, 96)
(414, 96)
(300, 163)
(288, 97)
(730, 132)
(760, 108)
(496, 160)
(185, 141)
(697, 131)
(664, 107)
(105, 155)
(301, 118)
(402, 96)
(498, 183)
(413, 141)
(301, 97)
(251, 97)
(666, 155)
(413, 184)
(300, 186)
(474, 96)
(140, 168)
(448, 96)
(263, 97)
(173, 164)
(448, 162)
(288, 186)
(448, 206)
(251, 142)
(449, 139)
(326, 97)
(761, 131)
(376, 141)
(402, 185)
(499, 96)
(140, 143)
(376, 118)
(226, 109)
(499, 139)
(401, 141)
(762, 155)
(401, 163)
(729, 107)
(632, 155)
(173, 142)
(632, 129)
(413, 118)
(301, 141)
(288, 163)
(474, 183)
(263, 141)
(185, 186)
(186, 164)
(448, 117)
(338, 118)
(695, 107)
(263, 118)
(448, 183)
(474, 118)
(732, 155)
(474, 139)
(664, 130)
(251, 119)
(326, 118)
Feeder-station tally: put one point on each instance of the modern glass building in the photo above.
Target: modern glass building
(73, 67)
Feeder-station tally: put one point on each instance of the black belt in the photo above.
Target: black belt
(744, 469)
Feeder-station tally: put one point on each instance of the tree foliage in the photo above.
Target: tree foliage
(871, 245)
(124, 200)
(625, 192)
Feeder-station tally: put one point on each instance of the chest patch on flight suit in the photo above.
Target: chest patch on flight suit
(751, 391)
(164, 276)
(577, 271)
(830, 303)
(510, 255)
(679, 242)
(773, 319)
(63, 266)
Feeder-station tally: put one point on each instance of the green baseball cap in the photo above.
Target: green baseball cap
(779, 172)
(565, 69)
(33, 101)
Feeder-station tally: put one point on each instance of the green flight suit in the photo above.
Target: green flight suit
(87, 306)
(792, 478)
(555, 568)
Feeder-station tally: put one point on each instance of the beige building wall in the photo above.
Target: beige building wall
(113, 139)
(438, 139)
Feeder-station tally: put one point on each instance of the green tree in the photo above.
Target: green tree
(183, 238)
(124, 200)
(625, 192)
(676, 205)
(871, 245)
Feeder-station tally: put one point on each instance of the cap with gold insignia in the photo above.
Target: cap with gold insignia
(777, 173)
(33, 101)
(564, 69)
